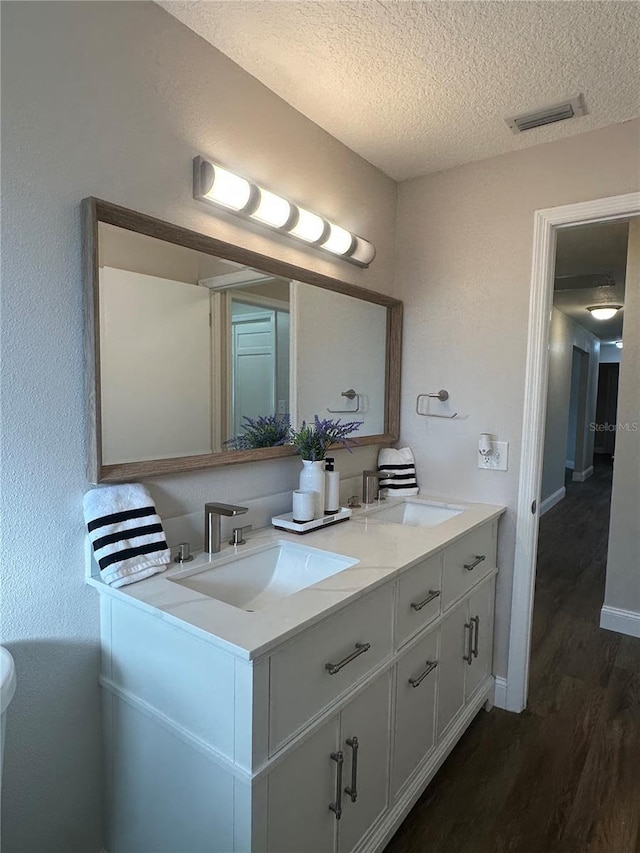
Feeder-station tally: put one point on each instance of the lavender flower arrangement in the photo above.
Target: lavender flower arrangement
(263, 431)
(313, 440)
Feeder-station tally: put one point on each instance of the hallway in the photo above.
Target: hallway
(565, 774)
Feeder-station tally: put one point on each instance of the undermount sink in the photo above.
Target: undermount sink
(415, 513)
(257, 580)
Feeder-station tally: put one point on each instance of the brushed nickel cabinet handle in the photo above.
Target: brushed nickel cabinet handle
(352, 790)
(469, 638)
(336, 807)
(433, 594)
(361, 648)
(471, 566)
(417, 681)
(476, 635)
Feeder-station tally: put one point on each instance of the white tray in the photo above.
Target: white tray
(286, 522)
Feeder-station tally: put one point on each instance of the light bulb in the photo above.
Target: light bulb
(228, 189)
(272, 209)
(309, 226)
(619, 344)
(604, 312)
(339, 241)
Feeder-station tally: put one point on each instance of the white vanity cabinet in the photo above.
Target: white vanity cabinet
(466, 652)
(328, 791)
(417, 678)
(320, 745)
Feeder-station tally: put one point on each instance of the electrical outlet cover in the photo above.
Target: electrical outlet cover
(498, 460)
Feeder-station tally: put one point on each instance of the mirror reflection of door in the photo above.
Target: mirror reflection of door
(259, 358)
(253, 351)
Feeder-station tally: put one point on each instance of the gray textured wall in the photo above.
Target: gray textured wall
(114, 100)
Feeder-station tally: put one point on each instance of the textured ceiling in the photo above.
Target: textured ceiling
(416, 87)
(591, 262)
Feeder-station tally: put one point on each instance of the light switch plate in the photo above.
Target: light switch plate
(498, 460)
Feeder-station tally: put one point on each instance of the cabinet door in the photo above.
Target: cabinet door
(367, 719)
(481, 620)
(416, 683)
(454, 645)
(301, 788)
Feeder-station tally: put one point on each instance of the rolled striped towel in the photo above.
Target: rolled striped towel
(126, 533)
(399, 469)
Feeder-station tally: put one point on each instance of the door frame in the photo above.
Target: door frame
(546, 224)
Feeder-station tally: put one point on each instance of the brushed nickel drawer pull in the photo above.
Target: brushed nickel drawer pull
(416, 682)
(469, 655)
(476, 635)
(336, 807)
(418, 605)
(352, 789)
(361, 648)
(471, 566)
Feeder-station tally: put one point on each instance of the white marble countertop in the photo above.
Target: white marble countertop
(382, 550)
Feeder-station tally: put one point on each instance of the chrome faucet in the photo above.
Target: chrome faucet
(371, 486)
(212, 514)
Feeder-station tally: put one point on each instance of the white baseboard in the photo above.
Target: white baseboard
(552, 500)
(581, 476)
(622, 621)
(500, 699)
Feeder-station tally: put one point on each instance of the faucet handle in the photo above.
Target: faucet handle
(184, 554)
(237, 536)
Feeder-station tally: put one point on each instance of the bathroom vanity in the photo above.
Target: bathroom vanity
(308, 714)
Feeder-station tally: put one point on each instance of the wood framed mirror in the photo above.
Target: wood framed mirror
(188, 339)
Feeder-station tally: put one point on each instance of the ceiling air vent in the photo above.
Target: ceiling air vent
(548, 115)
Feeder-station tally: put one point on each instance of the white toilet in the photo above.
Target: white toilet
(7, 689)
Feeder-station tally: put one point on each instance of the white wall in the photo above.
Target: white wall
(464, 270)
(114, 100)
(610, 354)
(623, 561)
(564, 335)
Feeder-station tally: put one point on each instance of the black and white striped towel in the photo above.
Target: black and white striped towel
(126, 533)
(399, 469)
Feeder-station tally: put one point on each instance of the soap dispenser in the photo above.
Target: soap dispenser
(332, 487)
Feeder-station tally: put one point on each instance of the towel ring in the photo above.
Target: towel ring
(350, 395)
(441, 395)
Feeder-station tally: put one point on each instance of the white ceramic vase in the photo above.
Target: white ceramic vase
(312, 480)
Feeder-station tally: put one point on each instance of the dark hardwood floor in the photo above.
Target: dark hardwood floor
(565, 774)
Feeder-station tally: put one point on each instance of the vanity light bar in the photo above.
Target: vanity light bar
(216, 185)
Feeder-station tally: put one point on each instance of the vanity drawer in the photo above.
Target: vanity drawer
(301, 685)
(467, 561)
(419, 597)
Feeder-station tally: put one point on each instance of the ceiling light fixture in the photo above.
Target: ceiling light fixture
(619, 344)
(214, 184)
(604, 312)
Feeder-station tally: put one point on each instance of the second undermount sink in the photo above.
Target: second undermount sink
(415, 513)
(267, 575)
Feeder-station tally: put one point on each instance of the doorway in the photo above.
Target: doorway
(606, 410)
(547, 223)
